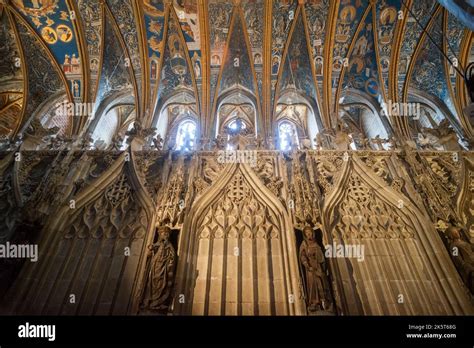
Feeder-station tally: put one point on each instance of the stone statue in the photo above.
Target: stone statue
(270, 143)
(265, 170)
(158, 142)
(340, 139)
(85, 142)
(392, 143)
(117, 141)
(204, 143)
(240, 141)
(220, 143)
(378, 143)
(259, 142)
(312, 259)
(306, 144)
(319, 141)
(160, 273)
(463, 256)
(444, 135)
(100, 145)
(210, 170)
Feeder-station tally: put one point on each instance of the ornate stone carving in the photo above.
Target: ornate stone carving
(444, 136)
(432, 181)
(328, 169)
(114, 214)
(379, 166)
(139, 132)
(171, 201)
(312, 260)
(462, 254)
(248, 217)
(210, 170)
(364, 215)
(304, 193)
(160, 273)
(266, 171)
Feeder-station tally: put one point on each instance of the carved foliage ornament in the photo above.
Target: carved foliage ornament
(364, 215)
(114, 214)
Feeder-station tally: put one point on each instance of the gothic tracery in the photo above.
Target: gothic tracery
(287, 157)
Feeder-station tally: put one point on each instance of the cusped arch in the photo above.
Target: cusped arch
(410, 262)
(279, 255)
(80, 229)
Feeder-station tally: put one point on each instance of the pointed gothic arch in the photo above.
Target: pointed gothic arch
(111, 214)
(250, 252)
(398, 241)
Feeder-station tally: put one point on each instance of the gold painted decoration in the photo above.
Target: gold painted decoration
(49, 35)
(64, 33)
(37, 9)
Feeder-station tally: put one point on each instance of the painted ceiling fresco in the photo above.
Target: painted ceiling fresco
(44, 79)
(187, 13)
(176, 73)
(283, 14)
(115, 74)
(387, 16)
(418, 16)
(55, 22)
(236, 69)
(362, 72)
(91, 15)
(11, 77)
(349, 16)
(296, 65)
(121, 10)
(153, 12)
(316, 14)
(154, 49)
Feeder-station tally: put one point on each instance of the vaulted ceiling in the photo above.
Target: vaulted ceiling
(154, 53)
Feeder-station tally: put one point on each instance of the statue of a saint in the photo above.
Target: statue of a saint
(463, 256)
(160, 274)
(312, 259)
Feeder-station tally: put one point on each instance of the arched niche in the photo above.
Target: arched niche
(178, 108)
(51, 114)
(237, 103)
(122, 97)
(403, 268)
(84, 249)
(363, 115)
(237, 253)
(296, 109)
(117, 121)
(436, 107)
(54, 113)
